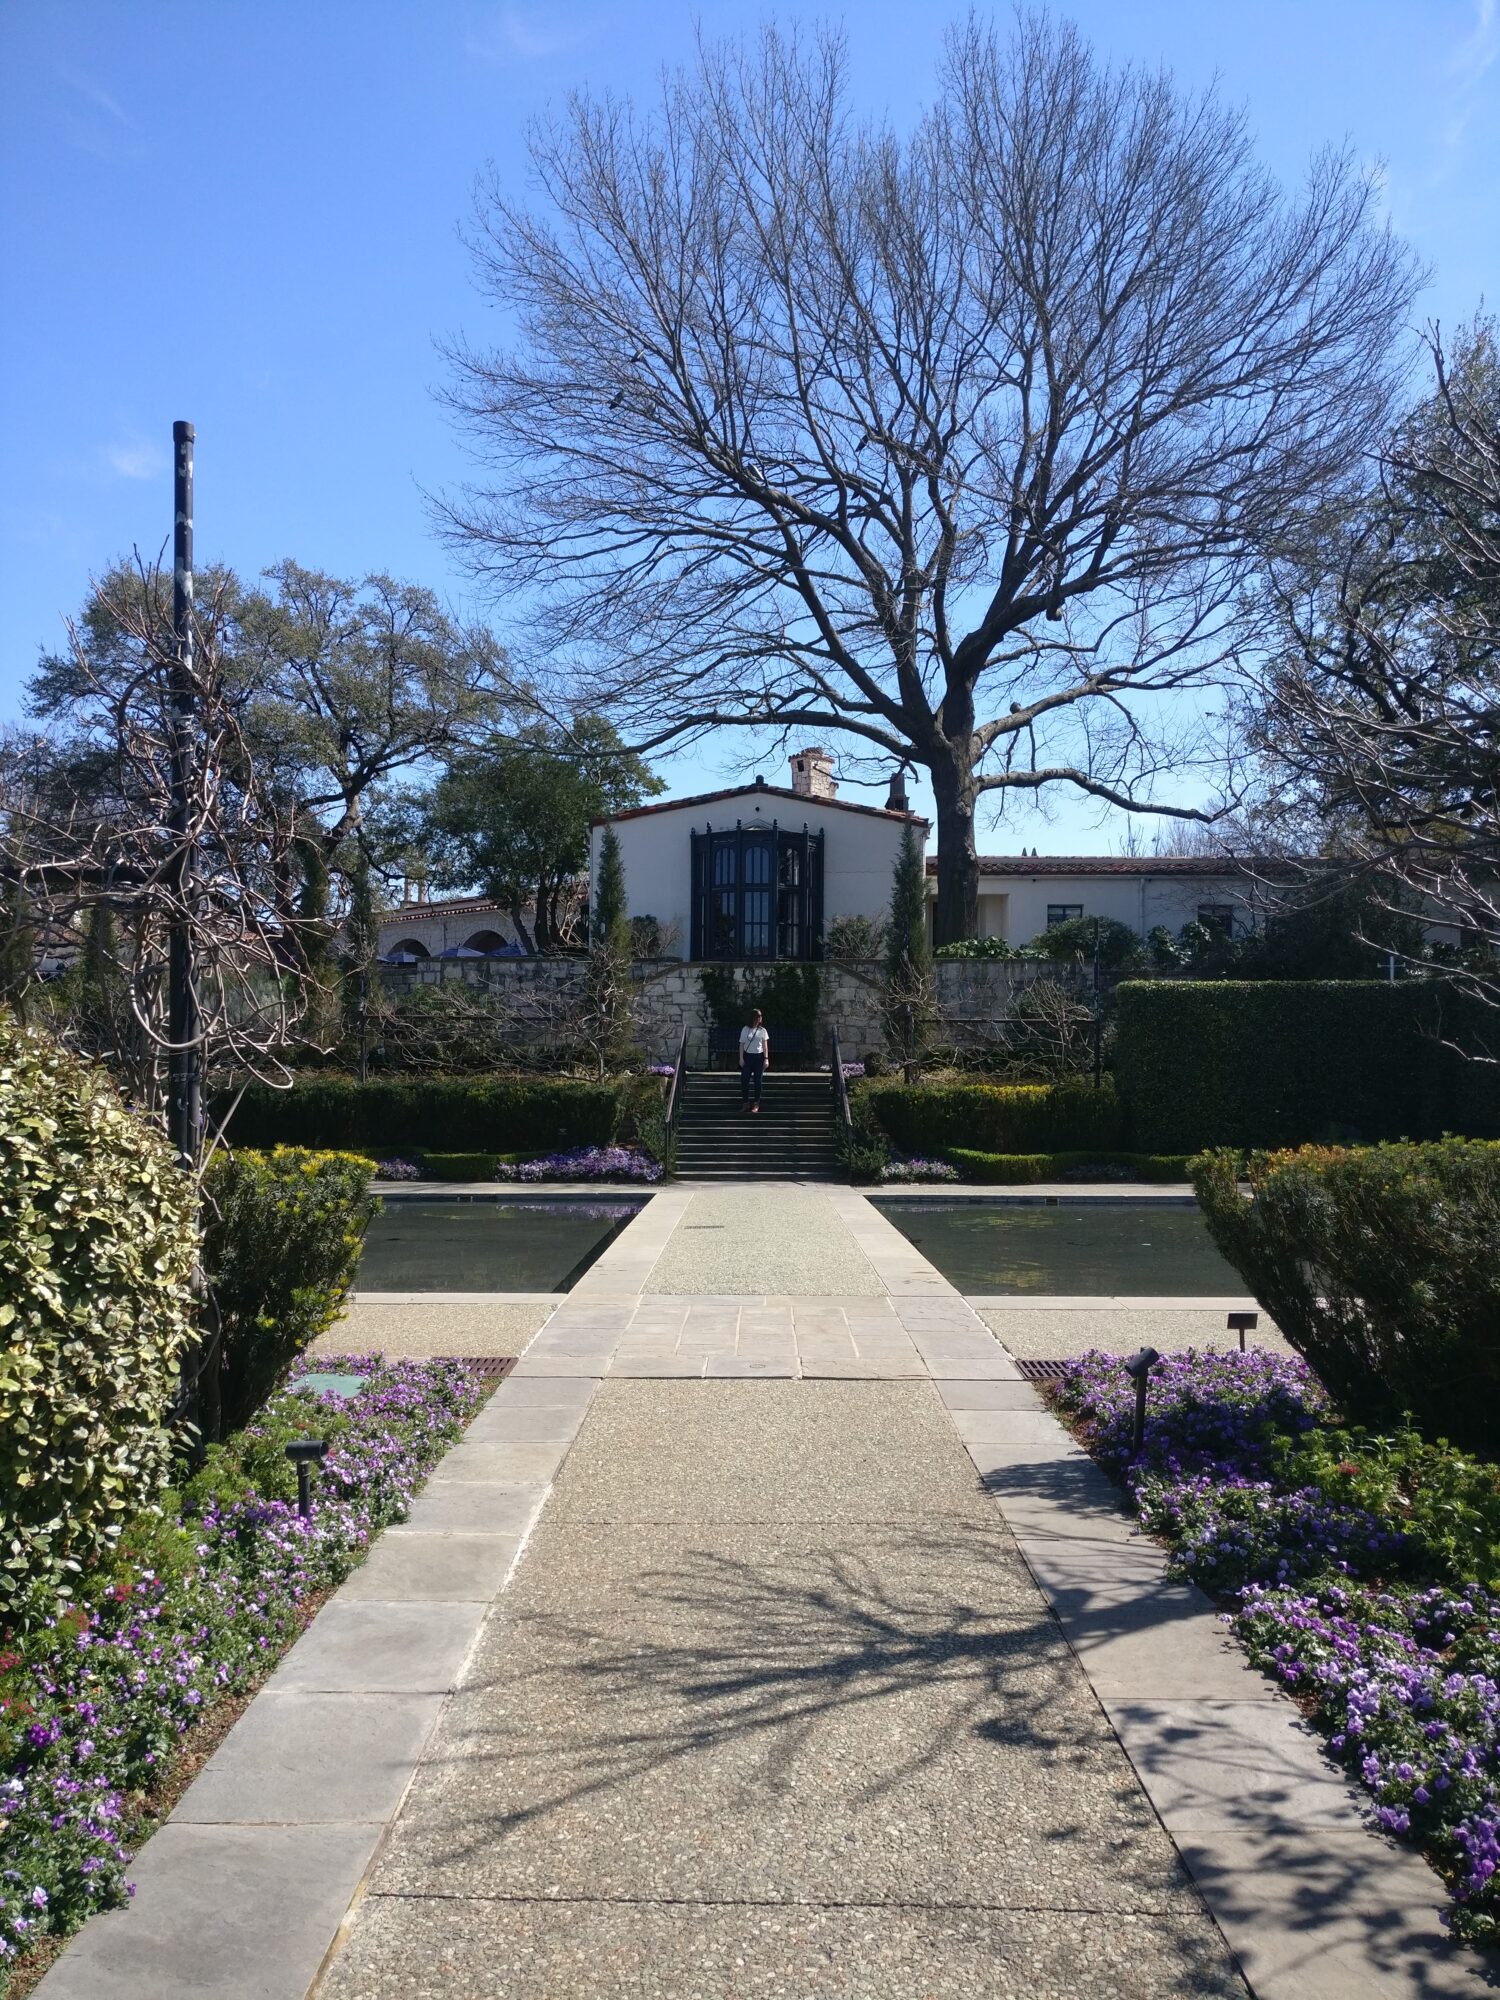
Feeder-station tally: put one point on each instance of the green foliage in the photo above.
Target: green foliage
(1447, 1501)
(925, 1119)
(459, 1166)
(1004, 1169)
(855, 940)
(610, 901)
(910, 995)
(96, 1260)
(281, 1242)
(1379, 1266)
(648, 937)
(786, 994)
(1119, 947)
(979, 947)
(512, 817)
(1263, 1064)
(392, 1114)
(17, 944)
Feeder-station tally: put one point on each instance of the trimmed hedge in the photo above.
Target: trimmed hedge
(282, 1233)
(459, 1166)
(1378, 1264)
(96, 1309)
(497, 1114)
(920, 1120)
(1236, 1063)
(1017, 1168)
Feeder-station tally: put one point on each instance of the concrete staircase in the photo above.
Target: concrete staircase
(792, 1138)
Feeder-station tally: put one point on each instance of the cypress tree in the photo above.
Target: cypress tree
(609, 921)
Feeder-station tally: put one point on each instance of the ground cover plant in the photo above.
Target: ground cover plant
(202, 1594)
(1360, 1568)
(585, 1163)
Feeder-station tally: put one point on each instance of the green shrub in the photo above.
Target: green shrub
(96, 1260)
(999, 1118)
(459, 1166)
(1119, 946)
(979, 947)
(281, 1241)
(1379, 1266)
(1235, 1063)
(403, 1113)
(1014, 1168)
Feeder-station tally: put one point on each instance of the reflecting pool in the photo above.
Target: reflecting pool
(487, 1243)
(1078, 1249)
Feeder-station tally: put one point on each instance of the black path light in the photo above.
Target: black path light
(305, 1453)
(1243, 1323)
(1139, 1367)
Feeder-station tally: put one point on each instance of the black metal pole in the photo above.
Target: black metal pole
(304, 1489)
(185, 1067)
(1098, 1021)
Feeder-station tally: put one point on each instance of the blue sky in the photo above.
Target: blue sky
(246, 213)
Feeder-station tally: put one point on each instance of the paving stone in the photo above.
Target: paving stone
(303, 1759)
(503, 1463)
(403, 1568)
(410, 1949)
(516, 1393)
(772, 1240)
(1014, 1426)
(219, 1913)
(1343, 1915)
(1219, 1764)
(471, 1506)
(989, 1395)
(367, 1648)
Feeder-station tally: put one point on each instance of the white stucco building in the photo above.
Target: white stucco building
(759, 871)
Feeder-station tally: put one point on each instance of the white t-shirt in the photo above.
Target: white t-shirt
(755, 1042)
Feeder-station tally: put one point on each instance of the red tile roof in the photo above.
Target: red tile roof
(1117, 864)
(754, 792)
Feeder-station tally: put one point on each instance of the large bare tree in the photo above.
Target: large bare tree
(958, 443)
(1379, 713)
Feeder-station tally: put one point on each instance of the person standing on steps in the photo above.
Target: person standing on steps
(755, 1060)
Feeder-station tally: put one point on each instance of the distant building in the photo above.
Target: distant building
(462, 927)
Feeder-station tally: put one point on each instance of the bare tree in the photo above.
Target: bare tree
(960, 444)
(1380, 711)
(87, 841)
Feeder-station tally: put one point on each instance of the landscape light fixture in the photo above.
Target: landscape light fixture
(305, 1453)
(1139, 1367)
(1243, 1323)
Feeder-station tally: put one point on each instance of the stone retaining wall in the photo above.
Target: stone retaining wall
(973, 995)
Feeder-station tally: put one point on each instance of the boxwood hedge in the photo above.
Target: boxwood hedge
(921, 1120)
(496, 1114)
(96, 1310)
(1276, 1063)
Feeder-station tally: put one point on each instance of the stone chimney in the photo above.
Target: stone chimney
(812, 775)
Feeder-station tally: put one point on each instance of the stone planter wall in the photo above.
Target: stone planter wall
(973, 996)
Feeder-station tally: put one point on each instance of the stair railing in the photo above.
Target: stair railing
(674, 1091)
(841, 1115)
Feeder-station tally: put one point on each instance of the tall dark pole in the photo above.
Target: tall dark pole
(1098, 1021)
(185, 1067)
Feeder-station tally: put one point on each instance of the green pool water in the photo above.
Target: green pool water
(484, 1243)
(1079, 1249)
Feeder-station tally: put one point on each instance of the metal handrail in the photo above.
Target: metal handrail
(840, 1085)
(674, 1088)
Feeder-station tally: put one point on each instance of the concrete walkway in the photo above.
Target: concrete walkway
(851, 1682)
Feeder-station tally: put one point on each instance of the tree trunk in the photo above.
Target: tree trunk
(956, 914)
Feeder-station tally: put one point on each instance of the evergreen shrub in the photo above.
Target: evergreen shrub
(96, 1310)
(1236, 1063)
(281, 1239)
(1006, 1169)
(1378, 1264)
(922, 1119)
(500, 1114)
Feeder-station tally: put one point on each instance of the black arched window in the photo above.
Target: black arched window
(757, 893)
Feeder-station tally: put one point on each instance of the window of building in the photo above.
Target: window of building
(1062, 913)
(1221, 915)
(757, 893)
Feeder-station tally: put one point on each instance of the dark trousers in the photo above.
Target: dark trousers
(752, 1069)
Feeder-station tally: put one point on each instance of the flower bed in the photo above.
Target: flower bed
(586, 1163)
(918, 1170)
(1362, 1571)
(207, 1592)
(397, 1170)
